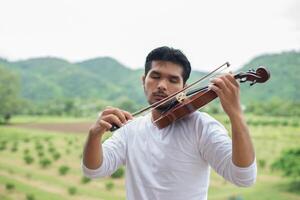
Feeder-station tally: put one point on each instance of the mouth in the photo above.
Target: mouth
(159, 96)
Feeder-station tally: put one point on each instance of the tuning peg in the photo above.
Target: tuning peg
(253, 82)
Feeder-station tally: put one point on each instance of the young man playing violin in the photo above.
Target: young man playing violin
(173, 162)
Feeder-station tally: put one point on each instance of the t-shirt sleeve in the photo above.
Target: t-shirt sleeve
(114, 154)
(215, 147)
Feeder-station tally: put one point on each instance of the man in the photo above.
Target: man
(174, 162)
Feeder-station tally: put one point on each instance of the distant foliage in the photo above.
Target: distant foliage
(85, 180)
(262, 163)
(30, 197)
(28, 159)
(63, 170)
(72, 190)
(109, 185)
(9, 186)
(56, 155)
(289, 163)
(9, 94)
(45, 162)
(53, 86)
(119, 173)
(275, 107)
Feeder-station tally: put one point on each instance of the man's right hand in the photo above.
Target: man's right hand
(107, 118)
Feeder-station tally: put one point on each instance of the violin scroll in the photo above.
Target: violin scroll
(261, 75)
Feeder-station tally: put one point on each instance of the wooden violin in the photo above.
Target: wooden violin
(180, 104)
(198, 98)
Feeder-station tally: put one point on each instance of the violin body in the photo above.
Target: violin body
(190, 105)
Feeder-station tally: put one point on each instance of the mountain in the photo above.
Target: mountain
(284, 80)
(49, 78)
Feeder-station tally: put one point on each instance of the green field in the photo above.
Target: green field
(35, 180)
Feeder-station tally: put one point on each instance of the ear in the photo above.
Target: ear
(143, 80)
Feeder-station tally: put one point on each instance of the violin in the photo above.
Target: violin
(179, 104)
(196, 99)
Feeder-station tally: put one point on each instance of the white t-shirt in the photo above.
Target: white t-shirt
(171, 163)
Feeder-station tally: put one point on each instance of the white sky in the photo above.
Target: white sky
(209, 32)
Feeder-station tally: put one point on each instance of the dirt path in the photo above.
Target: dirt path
(72, 127)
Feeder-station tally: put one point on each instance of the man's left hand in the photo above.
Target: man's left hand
(228, 90)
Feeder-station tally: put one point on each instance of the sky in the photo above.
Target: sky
(208, 32)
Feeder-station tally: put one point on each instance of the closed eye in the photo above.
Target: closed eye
(155, 75)
(174, 79)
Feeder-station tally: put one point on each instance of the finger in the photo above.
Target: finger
(120, 115)
(110, 110)
(219, 82)
(112, 119)
(216, 89)
(233, 81)
(127, 115)
(105, 125)
(230, 82)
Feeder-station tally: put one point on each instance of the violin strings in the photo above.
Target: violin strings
(211, 76)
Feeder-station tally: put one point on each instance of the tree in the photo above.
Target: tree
(9, 94)
(289, 163)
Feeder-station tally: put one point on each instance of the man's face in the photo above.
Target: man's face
(164, 78)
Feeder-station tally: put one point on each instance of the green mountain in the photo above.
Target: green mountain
(282, 85)
(49, 78)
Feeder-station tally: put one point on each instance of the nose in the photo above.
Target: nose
(162, 85)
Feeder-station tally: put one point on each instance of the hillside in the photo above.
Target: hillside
(49, 78)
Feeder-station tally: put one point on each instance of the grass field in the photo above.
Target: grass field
(32, 161)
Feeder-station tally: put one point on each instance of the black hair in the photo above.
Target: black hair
(172, 55)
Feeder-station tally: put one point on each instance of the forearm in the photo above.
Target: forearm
(93, 153)
(242, 148)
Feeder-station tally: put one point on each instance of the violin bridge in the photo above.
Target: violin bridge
(181, 97)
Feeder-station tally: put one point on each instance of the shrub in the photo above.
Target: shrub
(72, 190)
(14, 147)
(9, 186)
(284, 123)
(85, 180)
(26, 151)
(63, 169)
(56, 156)
(45, 162)
(295, 124)
(47, 139)
(235, 198)
(26, 140)
(39, 146)
(109, 185)
(289, 163)
(51, 149)
(261, 163)
(40, 154)
(119, 173)
(2, 146)
(28, 159)
(30, 197)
